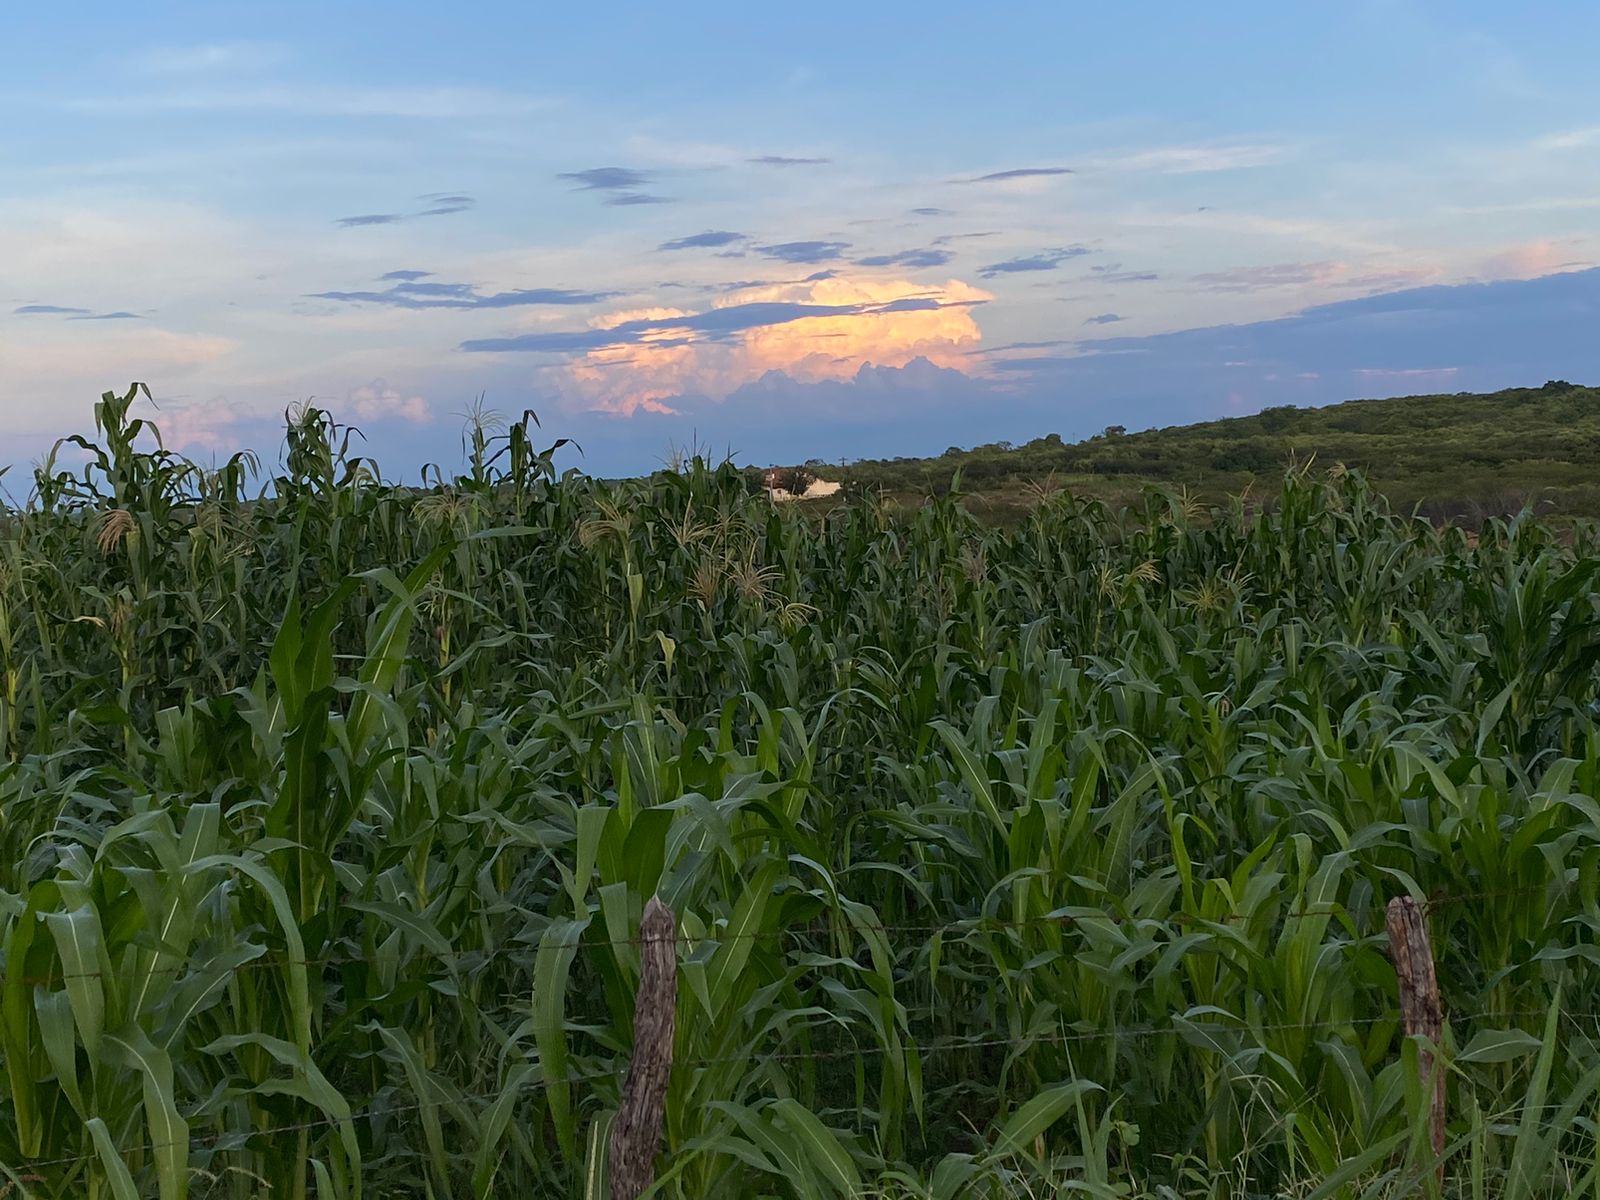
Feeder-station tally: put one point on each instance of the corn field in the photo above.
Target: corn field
(1005, 863)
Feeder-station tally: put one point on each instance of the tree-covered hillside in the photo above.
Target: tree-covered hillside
(1459, 456)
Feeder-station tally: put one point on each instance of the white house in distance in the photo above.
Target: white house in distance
(815, 490)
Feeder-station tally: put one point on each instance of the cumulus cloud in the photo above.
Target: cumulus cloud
(1044, 260)
(710, 239)
(377, 401)
(810, 330)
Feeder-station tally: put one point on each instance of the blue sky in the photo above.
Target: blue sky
(831, 230)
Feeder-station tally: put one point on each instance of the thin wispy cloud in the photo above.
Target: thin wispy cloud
(932, 212)
(439, 204)
(927, 257)
(1192, 160)
(711, 239)
(1113, 273)
(621, 183)
(414, 293)
(421, 103)
(1569, 139)
(946, 239)
(781, 160)
(804, 252)
(1273, 275)
(1103, 319)
(443, 204)
(1019, 173)
(73, 314)
(1044, 260)
(206, 58)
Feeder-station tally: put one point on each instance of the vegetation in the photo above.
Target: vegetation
(1461, 457)
(1006, 862)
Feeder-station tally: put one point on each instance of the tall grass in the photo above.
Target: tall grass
(1006, 862)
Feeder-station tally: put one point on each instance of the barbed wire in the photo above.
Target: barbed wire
(965, 927)
(203, 1141)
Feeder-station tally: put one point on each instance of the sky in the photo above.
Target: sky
(784, 232)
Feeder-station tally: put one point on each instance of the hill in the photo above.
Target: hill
(1462, 456)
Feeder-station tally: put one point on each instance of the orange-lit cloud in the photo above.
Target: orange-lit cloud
(674, 360)
(1536, 258)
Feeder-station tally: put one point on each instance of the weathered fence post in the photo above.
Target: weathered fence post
(636, 1130)
(1420, 1011)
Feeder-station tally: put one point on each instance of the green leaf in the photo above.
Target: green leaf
(551, 964)
(1498, 1045)
(1037, 1115)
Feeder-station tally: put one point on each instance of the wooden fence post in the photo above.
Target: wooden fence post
(636, 1129)
(1420, 1010)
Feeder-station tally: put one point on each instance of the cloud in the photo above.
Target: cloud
(1019, 173)
(1192, 160)
(779, 160)
(709, 239)
(377, 401)
(442, 204)
(946, 239)
(1570, 139)
(1103, 319)
(439, 204)
(804, 252)
(627, 199)
(1475, 336)
(427, 103)
(1545, 257)
(908, 258)
(606, 179)
(1250, 279)
(810, 330)
(621, 182)
(73, 314)
(414, 294)
(1123, 276)
(1044, 260)
(206, 58)
(932, 212)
